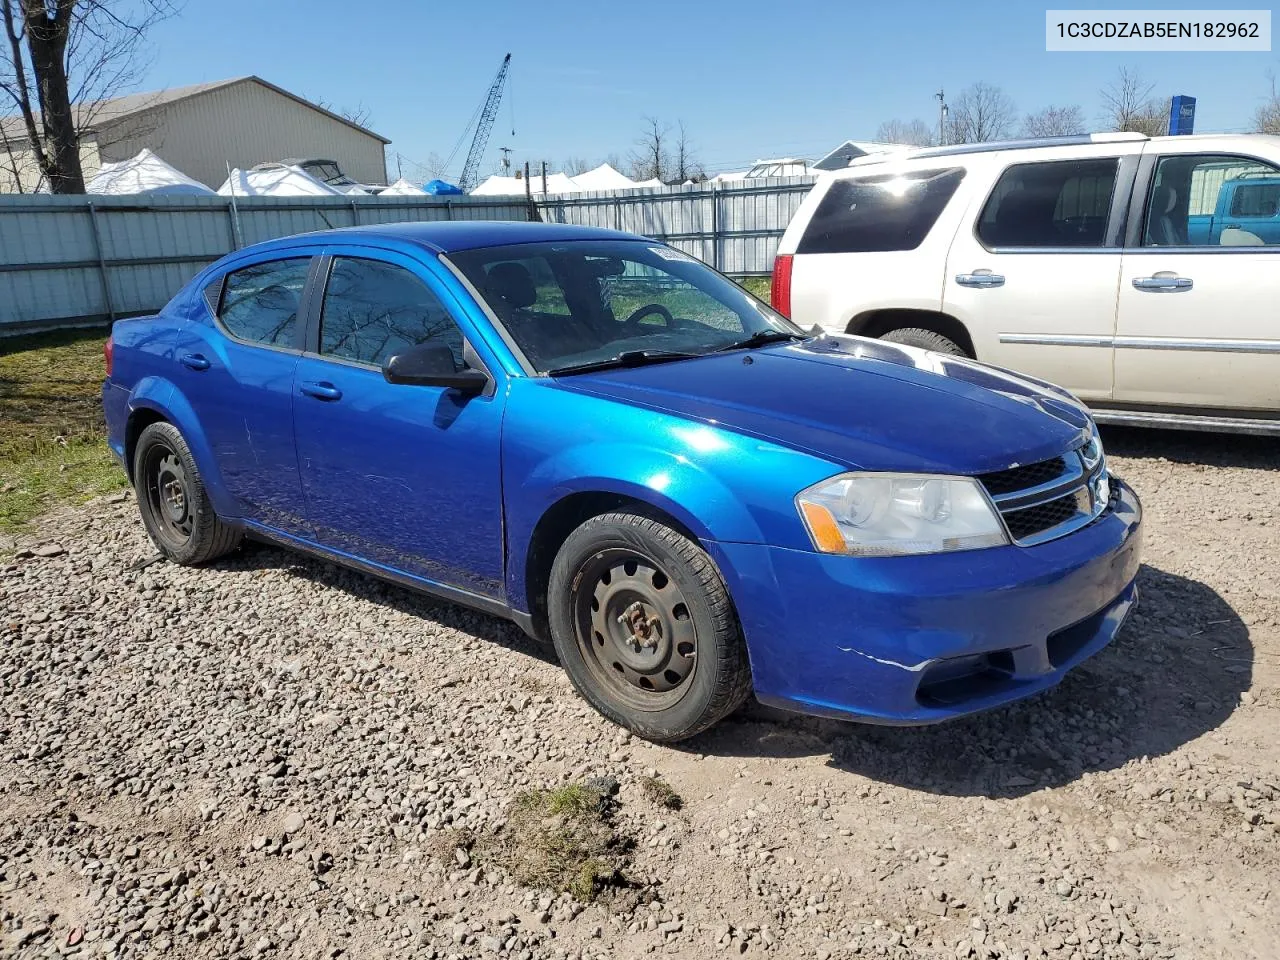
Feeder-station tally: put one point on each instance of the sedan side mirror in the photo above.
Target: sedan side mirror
(431, 364)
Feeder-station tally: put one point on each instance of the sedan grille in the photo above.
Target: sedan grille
(1050, 498)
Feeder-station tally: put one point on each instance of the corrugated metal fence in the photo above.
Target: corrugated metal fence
(75, 260)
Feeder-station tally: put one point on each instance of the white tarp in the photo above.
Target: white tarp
(603, 177)
(403, 188)
(275, 181)
(144, 173)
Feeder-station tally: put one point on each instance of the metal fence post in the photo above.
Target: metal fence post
(355, 214)
(617, 213)
(102, 262)
(448, 209)
(237, 238)
(715, 226)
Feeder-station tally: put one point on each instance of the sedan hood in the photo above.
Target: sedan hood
(863, 404)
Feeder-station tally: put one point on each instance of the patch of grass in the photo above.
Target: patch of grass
(52, 435)
(756, 286)
(660, 793)
(561, 839)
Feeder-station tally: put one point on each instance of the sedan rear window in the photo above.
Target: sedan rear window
(260, 303)
(880, 213)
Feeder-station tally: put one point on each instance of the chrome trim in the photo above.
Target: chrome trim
(1186, 343)
(1142, 343)
(1058, 340)
(1087, 510)
(1183, 421)
(1079, 479)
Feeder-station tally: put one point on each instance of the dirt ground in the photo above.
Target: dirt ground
(274, 757)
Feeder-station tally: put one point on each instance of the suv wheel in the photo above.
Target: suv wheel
(645, 628)
(172, 500)
(925, 340)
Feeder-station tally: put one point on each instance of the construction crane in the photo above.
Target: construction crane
(488, 113)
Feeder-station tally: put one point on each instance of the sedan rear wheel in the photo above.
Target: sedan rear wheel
(173, 502)
(645, 628)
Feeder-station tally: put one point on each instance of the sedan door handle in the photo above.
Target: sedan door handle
(980, 278)
(321, 391)
(1161, 284)
(194, 361)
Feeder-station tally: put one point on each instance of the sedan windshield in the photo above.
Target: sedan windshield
(588, 304)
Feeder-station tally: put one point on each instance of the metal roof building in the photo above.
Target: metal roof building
(202, 129)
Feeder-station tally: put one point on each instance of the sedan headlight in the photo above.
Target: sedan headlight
(885, 514)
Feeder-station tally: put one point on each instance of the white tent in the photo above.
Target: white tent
(275, 181)
(144, 173)
(603, 177)
(651, 182)
(403, 188)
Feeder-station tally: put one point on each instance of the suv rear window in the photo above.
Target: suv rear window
(1060, 203)
(881, 213)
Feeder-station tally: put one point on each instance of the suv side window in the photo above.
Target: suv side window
(1186, 205)
(260, 303)
(374, 310)
(880, 213)
(1057, 203)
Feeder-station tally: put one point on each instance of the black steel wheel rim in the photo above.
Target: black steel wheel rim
(634, 629)
(168, 494)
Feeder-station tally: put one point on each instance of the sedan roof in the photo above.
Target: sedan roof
(448, 236)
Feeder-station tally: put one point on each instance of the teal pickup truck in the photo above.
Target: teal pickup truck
(1248, 214)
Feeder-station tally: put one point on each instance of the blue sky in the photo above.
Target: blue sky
(748, 79)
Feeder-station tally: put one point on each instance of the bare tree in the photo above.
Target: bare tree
(1129, 106)
(1266, 119)
(61, 60)
(651, 157)
(360, 115)
(914, 133)
(685, 163)
(982, 112)
(1054, 122)
(576, 165)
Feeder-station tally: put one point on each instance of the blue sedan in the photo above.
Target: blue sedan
(602, 439)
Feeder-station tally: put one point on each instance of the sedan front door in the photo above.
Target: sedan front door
(403, 476)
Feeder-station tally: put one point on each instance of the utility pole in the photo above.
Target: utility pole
(506, 159)
(942, 117)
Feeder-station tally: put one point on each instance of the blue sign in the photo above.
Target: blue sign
(1182, 115)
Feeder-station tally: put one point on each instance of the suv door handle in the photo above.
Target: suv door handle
(980, 279)
(321, 391)
(194, 361)
(1158, 284)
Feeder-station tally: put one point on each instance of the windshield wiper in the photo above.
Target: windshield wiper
(627, 358)
(759, 339)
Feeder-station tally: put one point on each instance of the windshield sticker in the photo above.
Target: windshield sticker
(670, 253)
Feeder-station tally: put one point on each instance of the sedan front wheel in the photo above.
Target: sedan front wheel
(645, 628)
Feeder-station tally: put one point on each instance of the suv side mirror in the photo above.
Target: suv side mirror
(431, 364)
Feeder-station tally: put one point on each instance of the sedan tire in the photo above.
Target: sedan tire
(173, 501)
(644, 626)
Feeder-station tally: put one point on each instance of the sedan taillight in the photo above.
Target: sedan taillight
(108, 349)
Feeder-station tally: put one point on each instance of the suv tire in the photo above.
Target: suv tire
(925, 340)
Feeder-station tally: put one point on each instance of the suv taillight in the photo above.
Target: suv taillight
(780, 289)
(108, 349)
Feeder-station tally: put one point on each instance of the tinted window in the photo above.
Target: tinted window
(1188, 191)
(374, 310)
(1256, 199)
(260, 303)
(887, 212)
(1060, 204)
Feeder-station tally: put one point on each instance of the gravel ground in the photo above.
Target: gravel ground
(274, 757)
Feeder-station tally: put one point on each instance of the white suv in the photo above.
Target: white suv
(1142, 274)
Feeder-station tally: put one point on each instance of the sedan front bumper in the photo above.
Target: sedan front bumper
(919, 639)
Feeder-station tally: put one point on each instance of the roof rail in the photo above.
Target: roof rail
(1028, 144)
